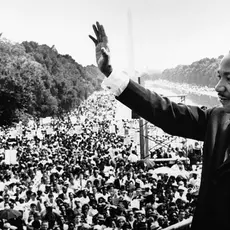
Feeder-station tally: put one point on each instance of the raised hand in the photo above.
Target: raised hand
(102, 49)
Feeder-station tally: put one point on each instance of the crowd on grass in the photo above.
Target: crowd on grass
(78, 172)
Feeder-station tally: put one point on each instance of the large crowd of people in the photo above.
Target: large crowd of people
(80, 172)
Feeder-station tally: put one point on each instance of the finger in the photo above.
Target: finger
(96, 31)
(104, 36)
(103, 31)
(105, 50)
(93, 39)
(99, 31)
(98, 26)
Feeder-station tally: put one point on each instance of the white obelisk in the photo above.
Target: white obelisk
(122, 111)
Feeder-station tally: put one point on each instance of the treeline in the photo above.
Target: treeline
(37, 81)
(201, 73)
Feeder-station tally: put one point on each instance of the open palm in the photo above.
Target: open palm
(102, 49)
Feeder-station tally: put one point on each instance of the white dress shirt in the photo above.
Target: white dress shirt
(116, 83)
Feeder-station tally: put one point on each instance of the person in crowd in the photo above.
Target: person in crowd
(130, 218)
(119, 181)
(63, 223)
(50, 216)
(5, 201)
(121, 223)
(140, 222)
(44, 225)
(36, 223)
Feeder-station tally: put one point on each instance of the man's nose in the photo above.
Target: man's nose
(220, 86)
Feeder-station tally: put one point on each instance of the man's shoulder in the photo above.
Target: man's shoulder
(219, 112)
(217, 109)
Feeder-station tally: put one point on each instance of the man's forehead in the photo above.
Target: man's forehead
(224, 65)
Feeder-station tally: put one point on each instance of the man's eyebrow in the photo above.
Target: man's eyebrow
(223, 73)
(226, 73)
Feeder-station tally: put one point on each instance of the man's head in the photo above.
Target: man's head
(33, 207)
(223, 85)
(44, 225)
(6, 197)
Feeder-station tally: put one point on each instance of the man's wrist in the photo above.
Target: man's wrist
(116, 82)
(107, 71)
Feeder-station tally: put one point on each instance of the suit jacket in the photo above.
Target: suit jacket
(212, 127)
(117, 183)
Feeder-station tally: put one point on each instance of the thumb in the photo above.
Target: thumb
(104, 52)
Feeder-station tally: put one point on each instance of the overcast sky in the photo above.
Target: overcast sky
(166, 33)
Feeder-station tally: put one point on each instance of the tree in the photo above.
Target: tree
(36, 80)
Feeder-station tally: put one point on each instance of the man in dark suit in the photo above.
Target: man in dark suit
(119, 181)
(209, 125)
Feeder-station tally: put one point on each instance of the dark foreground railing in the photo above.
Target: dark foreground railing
(183, 225)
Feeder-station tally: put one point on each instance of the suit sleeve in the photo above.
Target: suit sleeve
(174, 118)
